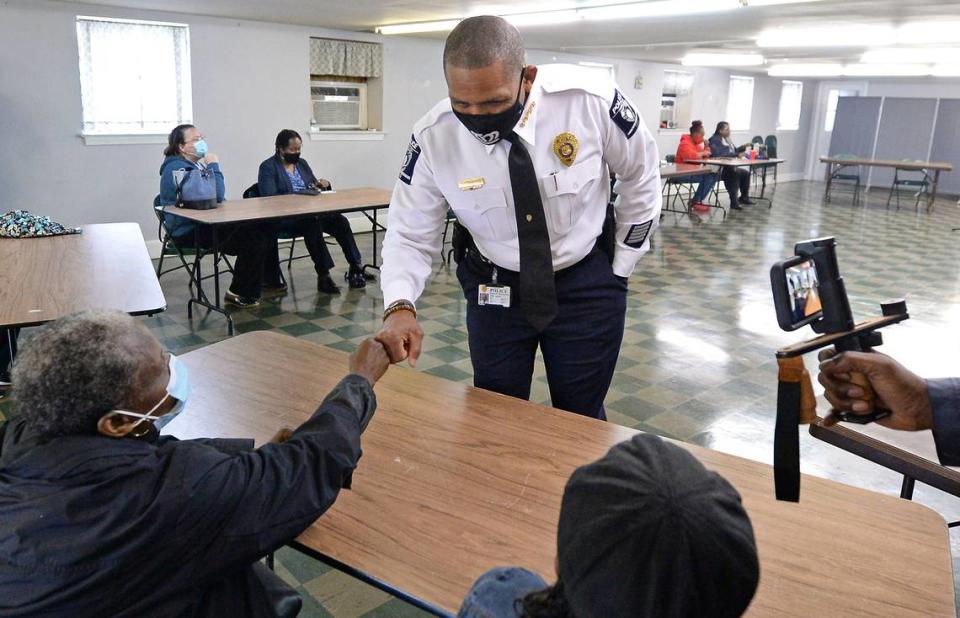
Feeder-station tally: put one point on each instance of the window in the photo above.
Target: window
(346, 86)
(676, 100)
(740, 103)
(134, 76)
(832, 99)
(791, 96)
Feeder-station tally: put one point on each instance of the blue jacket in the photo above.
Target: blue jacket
(718, 149)
(96, 526)
(273, 180)
(168, 191)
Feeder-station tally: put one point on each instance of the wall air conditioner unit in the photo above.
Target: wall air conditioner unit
(338, 106)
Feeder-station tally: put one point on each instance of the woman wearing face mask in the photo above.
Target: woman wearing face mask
(735, 179)
(286, 172)
(692, 148)
(101, 516)
(187, 149)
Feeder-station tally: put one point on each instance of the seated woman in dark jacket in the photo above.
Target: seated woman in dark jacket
(100, 516)
(285, 172)
(735, 179)
(186, 150)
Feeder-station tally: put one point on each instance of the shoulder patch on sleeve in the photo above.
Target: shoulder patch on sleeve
(410, 161)
(623, 114)
(637, 234)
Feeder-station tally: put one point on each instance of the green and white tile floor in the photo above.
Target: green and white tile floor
(697, 360)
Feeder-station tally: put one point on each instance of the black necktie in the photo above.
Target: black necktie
(538, 296)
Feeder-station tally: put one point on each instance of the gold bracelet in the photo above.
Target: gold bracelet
(400, 305)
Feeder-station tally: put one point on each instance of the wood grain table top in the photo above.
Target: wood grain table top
(684, 169)
(904, 165)
(284, 206)
(107, 266)
(456, 480)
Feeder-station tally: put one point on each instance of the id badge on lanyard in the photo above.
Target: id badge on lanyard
(493, 294)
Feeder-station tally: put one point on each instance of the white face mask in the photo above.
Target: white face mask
(178, 388)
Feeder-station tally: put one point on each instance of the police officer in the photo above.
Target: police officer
(521, 155)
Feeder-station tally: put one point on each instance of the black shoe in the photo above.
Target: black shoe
(274, 289)
(240, 301)
(326, 285)
(354, 277)
(735, 207)
(747, 201)
(368, 276)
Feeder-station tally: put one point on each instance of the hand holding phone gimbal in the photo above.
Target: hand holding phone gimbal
(808, 290)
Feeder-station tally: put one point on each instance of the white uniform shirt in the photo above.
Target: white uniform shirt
(446, 165)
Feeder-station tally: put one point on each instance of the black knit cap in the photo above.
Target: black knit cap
(648, 531)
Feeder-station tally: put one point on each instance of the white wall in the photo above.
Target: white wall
(250, 79)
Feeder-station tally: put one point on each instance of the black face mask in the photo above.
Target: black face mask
(291, 157)
(490, 128)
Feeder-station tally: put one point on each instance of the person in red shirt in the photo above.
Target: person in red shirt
(693, 148)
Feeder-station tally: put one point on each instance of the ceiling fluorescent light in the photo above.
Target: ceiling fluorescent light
(912, 55)
(821, 69)
(600, 65)
(886, 70)
(658, 8)
(427, 26)
(928, 32)
(755, 3)
(543, 18)
(945, 70)
(630, 10)
(703, 59)
(862, 35)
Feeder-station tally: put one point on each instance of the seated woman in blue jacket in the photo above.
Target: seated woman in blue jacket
(186, 149)
(285, 172)
(735, 179)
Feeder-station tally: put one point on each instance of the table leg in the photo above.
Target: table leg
(375, 211)
(216, 266)
(826, 194)
(933, 193)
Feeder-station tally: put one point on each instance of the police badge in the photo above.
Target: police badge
(565, 146)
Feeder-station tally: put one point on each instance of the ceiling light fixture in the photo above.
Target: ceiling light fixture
(928, 33)
(862, 70)
(706, 59)
(856, 35)
(945, 70)
(630, 10)
(820, 69)
(886, 70)
(426, 26)
(912, 55)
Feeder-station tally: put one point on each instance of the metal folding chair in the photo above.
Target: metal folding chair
(921, 185)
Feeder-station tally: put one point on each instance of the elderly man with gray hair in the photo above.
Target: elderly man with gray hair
(102, 516)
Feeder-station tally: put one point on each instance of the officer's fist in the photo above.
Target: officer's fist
(402, 336)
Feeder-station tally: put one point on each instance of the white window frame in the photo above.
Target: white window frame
(787, 86)
(361, 86)
(102, 137)
(733, 107)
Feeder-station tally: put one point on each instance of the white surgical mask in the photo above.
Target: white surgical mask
(178, 388)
